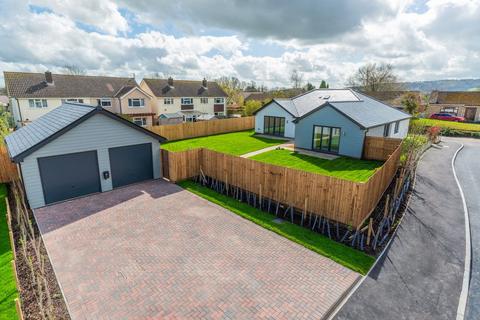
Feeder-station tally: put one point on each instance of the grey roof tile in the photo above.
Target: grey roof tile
(184, 88)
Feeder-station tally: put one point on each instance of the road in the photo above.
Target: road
(420, 276)
(467, 166)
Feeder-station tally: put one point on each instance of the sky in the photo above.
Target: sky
(259, 40)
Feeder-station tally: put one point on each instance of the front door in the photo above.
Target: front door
(326, 139)
(470, 114)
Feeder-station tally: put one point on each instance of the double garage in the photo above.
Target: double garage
(77, 150)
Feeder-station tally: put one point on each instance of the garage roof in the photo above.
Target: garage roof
(48, 127)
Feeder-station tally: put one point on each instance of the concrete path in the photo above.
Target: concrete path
(254, 153)
(467, 166)
(155, 251)
(420, 276)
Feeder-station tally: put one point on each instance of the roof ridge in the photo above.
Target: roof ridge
(174, 80)
(71, 75)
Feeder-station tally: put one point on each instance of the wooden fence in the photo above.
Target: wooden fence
(8, 169)
(379, 148)
(340, 200)
(203, 128)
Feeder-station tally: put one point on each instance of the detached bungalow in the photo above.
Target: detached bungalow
(331, 120)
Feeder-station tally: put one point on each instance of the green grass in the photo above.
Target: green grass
(8, 289)
(471, 127)
(235, 143)
(344, 255)
(342, 167)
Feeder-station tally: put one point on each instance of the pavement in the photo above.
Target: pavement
(420, 276)
(153, 250)
(467, 167)
(254, 153)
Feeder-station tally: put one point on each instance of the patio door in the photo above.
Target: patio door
(274, 126)
(326, 139)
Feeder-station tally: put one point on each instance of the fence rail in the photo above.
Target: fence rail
(340, 200)
(8, 169)
(379, 148)
(203, 128)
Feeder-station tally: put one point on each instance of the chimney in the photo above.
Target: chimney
(170, 82)
(48, 77)
(204, 83)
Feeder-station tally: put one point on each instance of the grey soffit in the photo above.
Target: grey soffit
(48, 127)
(184, 88)
(33, 85)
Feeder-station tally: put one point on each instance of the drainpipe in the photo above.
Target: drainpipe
(120, 105)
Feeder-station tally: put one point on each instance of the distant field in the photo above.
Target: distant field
(235, 143)
(471, 127)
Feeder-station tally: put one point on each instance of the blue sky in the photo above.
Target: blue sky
(260, 40)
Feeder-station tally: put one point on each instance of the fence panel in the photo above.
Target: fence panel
(203, 128)
(379, 148)
(340, 200)
(8, 169)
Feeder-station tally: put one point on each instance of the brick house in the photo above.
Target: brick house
(461, 103)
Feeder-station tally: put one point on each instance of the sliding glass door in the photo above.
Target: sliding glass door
(326, 139)
(274, 126)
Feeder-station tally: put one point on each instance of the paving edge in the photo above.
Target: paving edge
(332, 312)
(462, 302)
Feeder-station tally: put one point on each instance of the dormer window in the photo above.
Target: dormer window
(136, 103)
(219, 100)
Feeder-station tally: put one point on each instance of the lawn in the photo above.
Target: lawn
(344, 255)
(8, 288)
(461, 126)
(235, 143)
(342, 167)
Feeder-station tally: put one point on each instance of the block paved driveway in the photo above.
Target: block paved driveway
(153, 250)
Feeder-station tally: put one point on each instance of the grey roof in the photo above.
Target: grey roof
(29, 138)
(33, 85)
(171, 115)
(184, 88)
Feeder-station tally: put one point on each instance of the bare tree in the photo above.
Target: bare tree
(296, 78)
(373, 77)
(74, 69)
(232, 87)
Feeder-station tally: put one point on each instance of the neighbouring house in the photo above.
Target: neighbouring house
(331, 120)
(77, 149)
(395, 98)
(170, 118)
(35, 94)
(460, 103)
(265, 96)
(187, 97)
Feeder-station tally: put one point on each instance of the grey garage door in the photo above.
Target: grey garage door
(68, 176)
(130, 164)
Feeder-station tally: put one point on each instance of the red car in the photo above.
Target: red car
(447, 117)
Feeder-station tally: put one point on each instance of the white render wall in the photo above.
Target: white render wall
(97, 133)
(274, 110)
(402, 130)
(161, 107)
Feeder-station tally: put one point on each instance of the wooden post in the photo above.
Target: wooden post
(260, 196)
(385, 211)
(369, 234)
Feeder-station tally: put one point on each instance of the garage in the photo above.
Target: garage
(130, 164)
(76, 150)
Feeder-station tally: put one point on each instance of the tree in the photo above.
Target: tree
(74, 69)
(409, 101)
(373, 77)
(324, 85)
(309, 86)
(296, 78)
(252, 87)
(251, 106)
(233, 88)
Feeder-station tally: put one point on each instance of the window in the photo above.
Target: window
(450, 110)
(76, 100)
(386, 130)
(106, 102)
(219, 113)
(326, 139)
(203, 100)
(219, 100)
(140, 121)
(397, 126)
(136, 103)
(38, 103)
(187, 101)
(167, 100)
(274, 126)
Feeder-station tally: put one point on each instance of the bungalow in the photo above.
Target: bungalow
(331, 120)
(459, 103)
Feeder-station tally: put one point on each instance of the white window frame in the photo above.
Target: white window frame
(397, 127)
(219, 113)
(38, 103)
(141, 102)
(103, 100)
(167, 100)
(143, 121)
(219, 100)
(204, 100)
(76, 100)
(183, 101)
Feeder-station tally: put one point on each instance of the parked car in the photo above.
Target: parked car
(447, 117)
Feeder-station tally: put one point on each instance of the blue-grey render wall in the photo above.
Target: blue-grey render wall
(351, 136)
